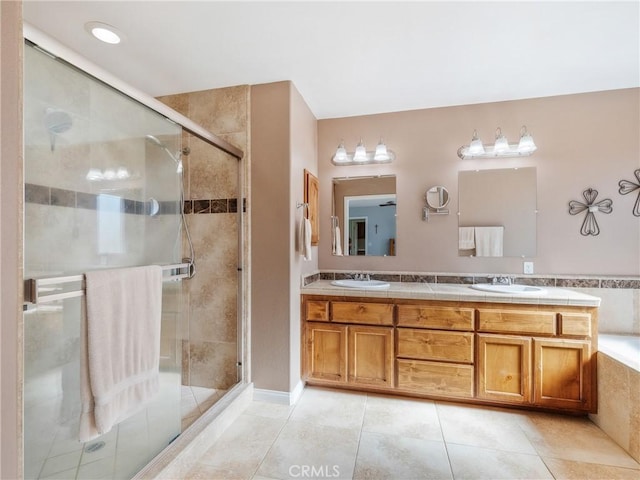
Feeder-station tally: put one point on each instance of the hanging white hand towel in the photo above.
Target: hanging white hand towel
(120, 346)
(338, 241)
(466, 238)
(489, 241)
(305, 238)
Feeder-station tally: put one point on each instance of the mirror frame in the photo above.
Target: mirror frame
(439, 189)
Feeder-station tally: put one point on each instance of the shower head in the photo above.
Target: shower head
(154, 141)
(56, 121)
(176, 158)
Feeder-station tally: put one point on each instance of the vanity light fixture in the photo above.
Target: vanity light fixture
(110, 174)
(361, 156)
(501, 148)
(104, 32)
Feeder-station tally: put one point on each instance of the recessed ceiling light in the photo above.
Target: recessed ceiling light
(104, 33)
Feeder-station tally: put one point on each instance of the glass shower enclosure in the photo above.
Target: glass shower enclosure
(102, 190)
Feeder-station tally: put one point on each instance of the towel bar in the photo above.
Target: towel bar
(36, 290)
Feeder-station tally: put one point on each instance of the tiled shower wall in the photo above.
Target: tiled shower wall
(211, 191)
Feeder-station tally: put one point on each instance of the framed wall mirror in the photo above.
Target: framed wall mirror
(364, 216)
(497, 216)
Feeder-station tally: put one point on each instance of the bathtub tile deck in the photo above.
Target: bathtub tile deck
(339, 434)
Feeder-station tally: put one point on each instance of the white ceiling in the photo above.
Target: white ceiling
(359, 57)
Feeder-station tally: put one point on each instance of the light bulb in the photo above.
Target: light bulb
(341, 154)
(475, 147)
(502, 144)
(526, 144)
(109, 174)
(122, 173)
(94, 175)
(381, 154)
(361, 153)
(104, 32)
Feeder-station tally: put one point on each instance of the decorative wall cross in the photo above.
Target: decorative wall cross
(590, 225)
(627, 187)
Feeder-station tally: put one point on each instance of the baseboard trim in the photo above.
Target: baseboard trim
(279, 397)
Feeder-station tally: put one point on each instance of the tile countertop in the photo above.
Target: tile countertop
(454, 292)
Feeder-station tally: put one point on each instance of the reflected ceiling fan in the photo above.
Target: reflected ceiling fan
(390, 203)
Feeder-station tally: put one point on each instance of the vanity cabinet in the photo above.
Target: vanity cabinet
(535, 356)
(357, 353)
(541, 362)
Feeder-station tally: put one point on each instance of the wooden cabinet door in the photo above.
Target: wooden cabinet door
(504, 368)
(563, 374)
(326, 352)
(371, 356)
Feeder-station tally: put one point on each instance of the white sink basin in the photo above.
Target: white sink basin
(513, 289)
(369, 284)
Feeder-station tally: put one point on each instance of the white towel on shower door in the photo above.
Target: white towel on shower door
(120, 352)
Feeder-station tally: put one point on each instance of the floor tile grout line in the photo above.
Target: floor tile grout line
(364, 414)
(547, 467)
(284, 424)
(444, 440)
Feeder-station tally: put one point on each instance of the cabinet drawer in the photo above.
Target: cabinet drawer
(445, 318)
(435, 345)
(434, 378)
(364, 313)
(524, 322)
(317, 310)
(575, 324)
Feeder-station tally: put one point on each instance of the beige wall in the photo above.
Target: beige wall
(586, 140)
(270, 245)
(304, 155)
(283, 144)
(11, 52)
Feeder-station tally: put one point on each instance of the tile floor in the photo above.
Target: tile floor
(339, 434)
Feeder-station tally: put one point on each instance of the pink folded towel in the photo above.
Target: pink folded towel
(120, 352)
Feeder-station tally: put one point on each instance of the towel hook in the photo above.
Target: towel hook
(300, 205)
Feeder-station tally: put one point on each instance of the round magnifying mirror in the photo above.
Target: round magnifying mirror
(437, 197)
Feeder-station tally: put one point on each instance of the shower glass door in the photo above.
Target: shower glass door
(102, 190)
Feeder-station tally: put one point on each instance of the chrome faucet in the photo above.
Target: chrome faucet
(502, 280)
(363, 277)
